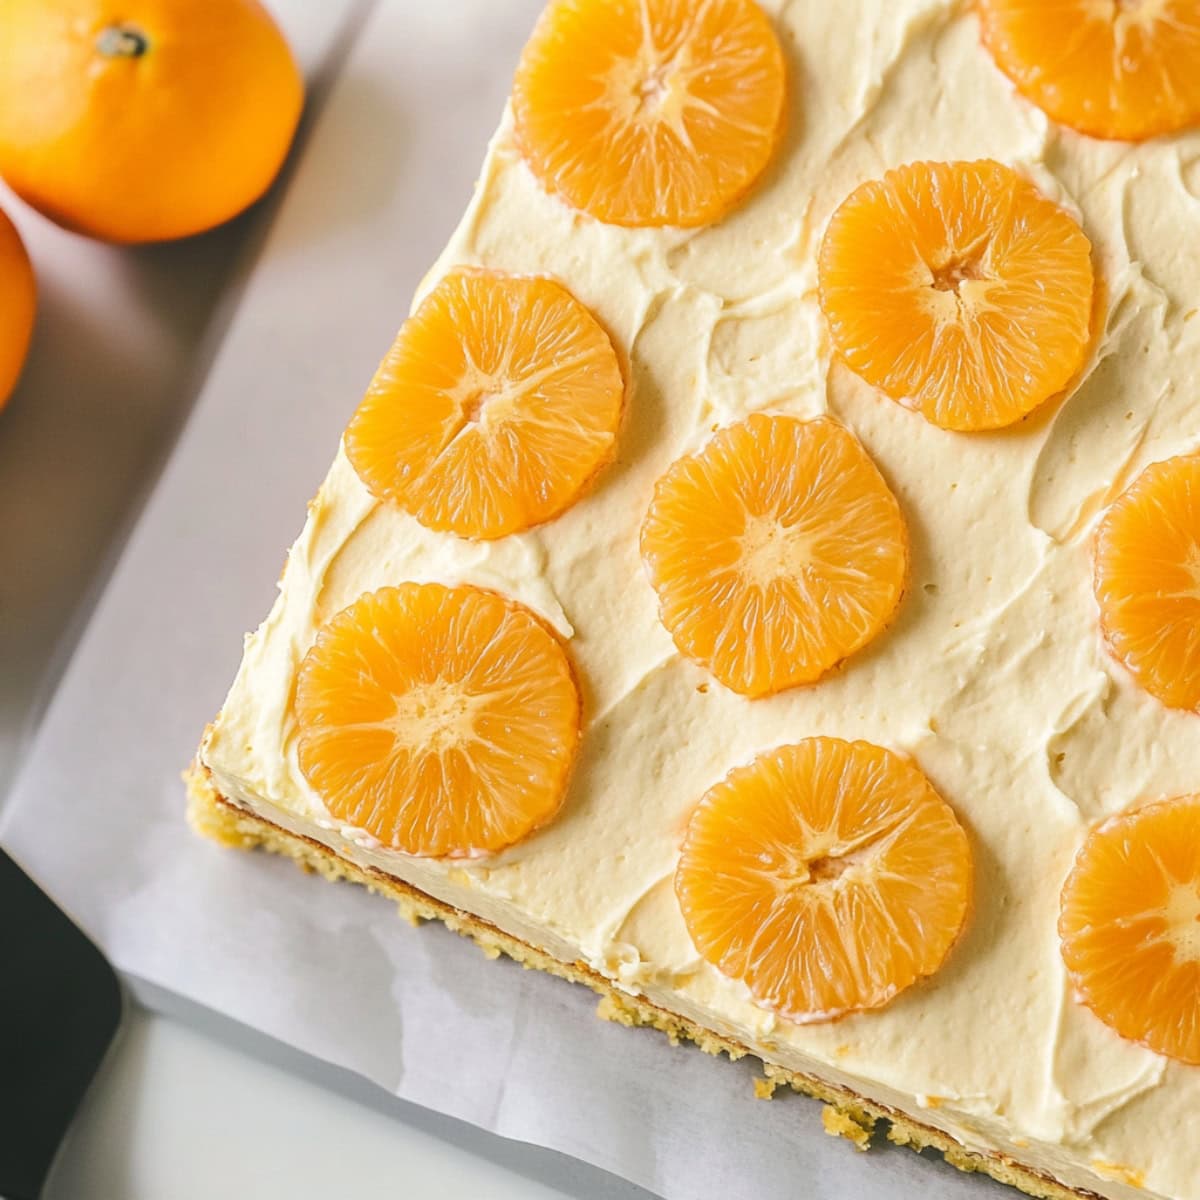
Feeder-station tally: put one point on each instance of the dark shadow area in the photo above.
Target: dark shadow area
(59, 1009)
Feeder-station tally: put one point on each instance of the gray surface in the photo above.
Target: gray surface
(174, 1115)
(547, 1169)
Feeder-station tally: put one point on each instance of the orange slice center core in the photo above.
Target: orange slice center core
(648, 90)
(826, 862)
(1192, 567)
(473, 405)
(481, 396)
(843, 867)
(850, 862)
(1135, 12)
(1182, 915)
(1133, 21)
(652, 93)
(772, 550)
(436, 717)
(947, 278)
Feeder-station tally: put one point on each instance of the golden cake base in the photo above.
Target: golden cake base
(846, 1113)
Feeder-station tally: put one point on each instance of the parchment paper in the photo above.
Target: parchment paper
(97, 814)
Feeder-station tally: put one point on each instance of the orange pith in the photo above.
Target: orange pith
(959, 290)
(827, 876)
(443, 721)
(495, 406)
(650, 112)
(1122, 69)
(1147, 580)
(776, 551)
(1130, 926)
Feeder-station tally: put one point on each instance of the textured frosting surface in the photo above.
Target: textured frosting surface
(993, 677)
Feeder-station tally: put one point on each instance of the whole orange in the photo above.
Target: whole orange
(142, 120)
(18, 303)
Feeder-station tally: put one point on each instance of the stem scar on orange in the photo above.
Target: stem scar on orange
(444, 721)
(827, 876)
(18, 306)
(143, 120)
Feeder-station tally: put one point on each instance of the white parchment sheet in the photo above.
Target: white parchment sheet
(97, 814)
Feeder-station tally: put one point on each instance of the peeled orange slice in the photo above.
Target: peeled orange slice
(1130, 926)
(1147, 580)
(827, 876)
(1125, 69)
(497, 403)
(775, 551)
(443, 721)
(650, 112)
(959, 290)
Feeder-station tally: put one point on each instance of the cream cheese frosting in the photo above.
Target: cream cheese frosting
(993, 676)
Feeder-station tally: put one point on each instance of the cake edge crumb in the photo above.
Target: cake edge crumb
(845, 1113)
(839, 1123)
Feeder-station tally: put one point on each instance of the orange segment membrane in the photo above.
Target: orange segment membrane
(1147, 579)
(827, 876)
(442, 721)
(1130, 926)
(496, 405)
(1122, 69)
(650, 112)
(776, 551)
(958, 290)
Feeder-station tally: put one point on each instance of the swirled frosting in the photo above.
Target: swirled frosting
(993, 676)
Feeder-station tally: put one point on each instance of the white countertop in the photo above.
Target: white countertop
(174, 1115)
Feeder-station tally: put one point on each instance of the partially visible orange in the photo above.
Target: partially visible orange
(1122, 69)
(143, 120)
(650, 112)
(18, 303)
(1147, 580)
(1130, 925)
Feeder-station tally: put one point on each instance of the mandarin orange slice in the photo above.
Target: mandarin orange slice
(776, 551)
(443, 721)
(959, 290)
(650, 112)
(1130, 926)
(1147, 579)
(496, 405)
(827, 876)
(1123, 69)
